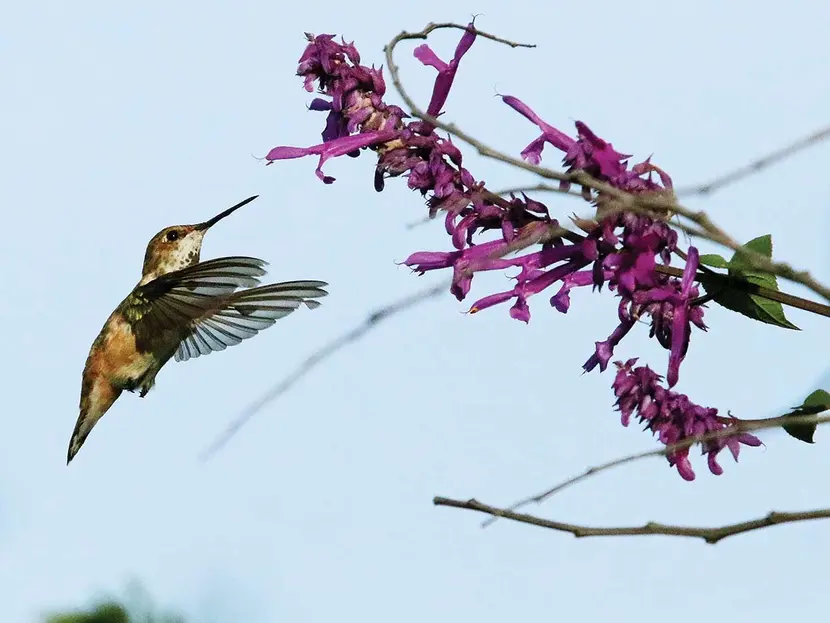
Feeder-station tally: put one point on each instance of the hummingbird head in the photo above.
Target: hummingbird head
(178, 246)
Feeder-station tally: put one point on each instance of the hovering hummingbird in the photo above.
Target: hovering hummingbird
(181, 308)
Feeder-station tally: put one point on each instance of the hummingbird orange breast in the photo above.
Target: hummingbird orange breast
(113, 365)
(115, 357)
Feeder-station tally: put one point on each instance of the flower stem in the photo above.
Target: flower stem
(737, 283)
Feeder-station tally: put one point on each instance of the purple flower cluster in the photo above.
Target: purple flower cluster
(619, 249)
(357, 118)
(673, 417)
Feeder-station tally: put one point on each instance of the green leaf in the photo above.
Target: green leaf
(750, 305)
(762, 245)
(714, 260)
(815, 403)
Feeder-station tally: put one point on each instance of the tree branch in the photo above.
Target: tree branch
(757, 165)
(423, 34)
(372, 321)
(627, 201)
(740, 426)
(710, 535)
(540, 188)
(743, 285)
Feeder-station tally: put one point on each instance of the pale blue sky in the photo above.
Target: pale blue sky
(119, 120)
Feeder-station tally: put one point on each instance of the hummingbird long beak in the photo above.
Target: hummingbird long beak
(221, 215)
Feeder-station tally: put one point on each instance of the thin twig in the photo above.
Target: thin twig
(540, 232)
(318, 357)
(419, 222)
(728, 282)
(423, 34)
(707, 228)
(757, 165)
(709, 535)
(540, 188)
(735, 283)
(740, 426)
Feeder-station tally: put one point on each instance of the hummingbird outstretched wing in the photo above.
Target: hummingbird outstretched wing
(246, 313)
(201, 308)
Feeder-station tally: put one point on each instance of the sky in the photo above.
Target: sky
(120, 119)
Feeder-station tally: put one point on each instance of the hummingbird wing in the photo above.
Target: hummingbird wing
(199, 308)
(161, 310)
(244, 314)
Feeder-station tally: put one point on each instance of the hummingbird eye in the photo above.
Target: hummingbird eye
(172, 236)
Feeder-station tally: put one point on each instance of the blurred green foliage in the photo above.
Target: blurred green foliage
(135, 608)
(102, 613)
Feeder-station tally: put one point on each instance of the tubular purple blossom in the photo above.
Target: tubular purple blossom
(446, 71)
(589, 153)
(551, 135)
(681, 330)
(605, 350)
(336, 147)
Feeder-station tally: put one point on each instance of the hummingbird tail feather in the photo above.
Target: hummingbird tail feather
(96, 398)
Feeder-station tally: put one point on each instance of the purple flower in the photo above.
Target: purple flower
(590, 153)
(336, 147)
(357, 116)
(561, 301)
(532, 279)
(673, 417)
(446, 71)
(533, 152)
(670, 306)
(605, 350)
(629, 245)
(619, 251)
(464, 264)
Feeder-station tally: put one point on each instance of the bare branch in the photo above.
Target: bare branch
(757, 165)
(741, 426)
(710, 535)
(707, 228)
(372, 321)
(419, 222)
(540, 188)
(423, 34)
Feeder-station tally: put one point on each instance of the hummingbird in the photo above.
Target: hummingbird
(181, 308)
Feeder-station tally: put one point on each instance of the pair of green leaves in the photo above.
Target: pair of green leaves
(750, 305)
